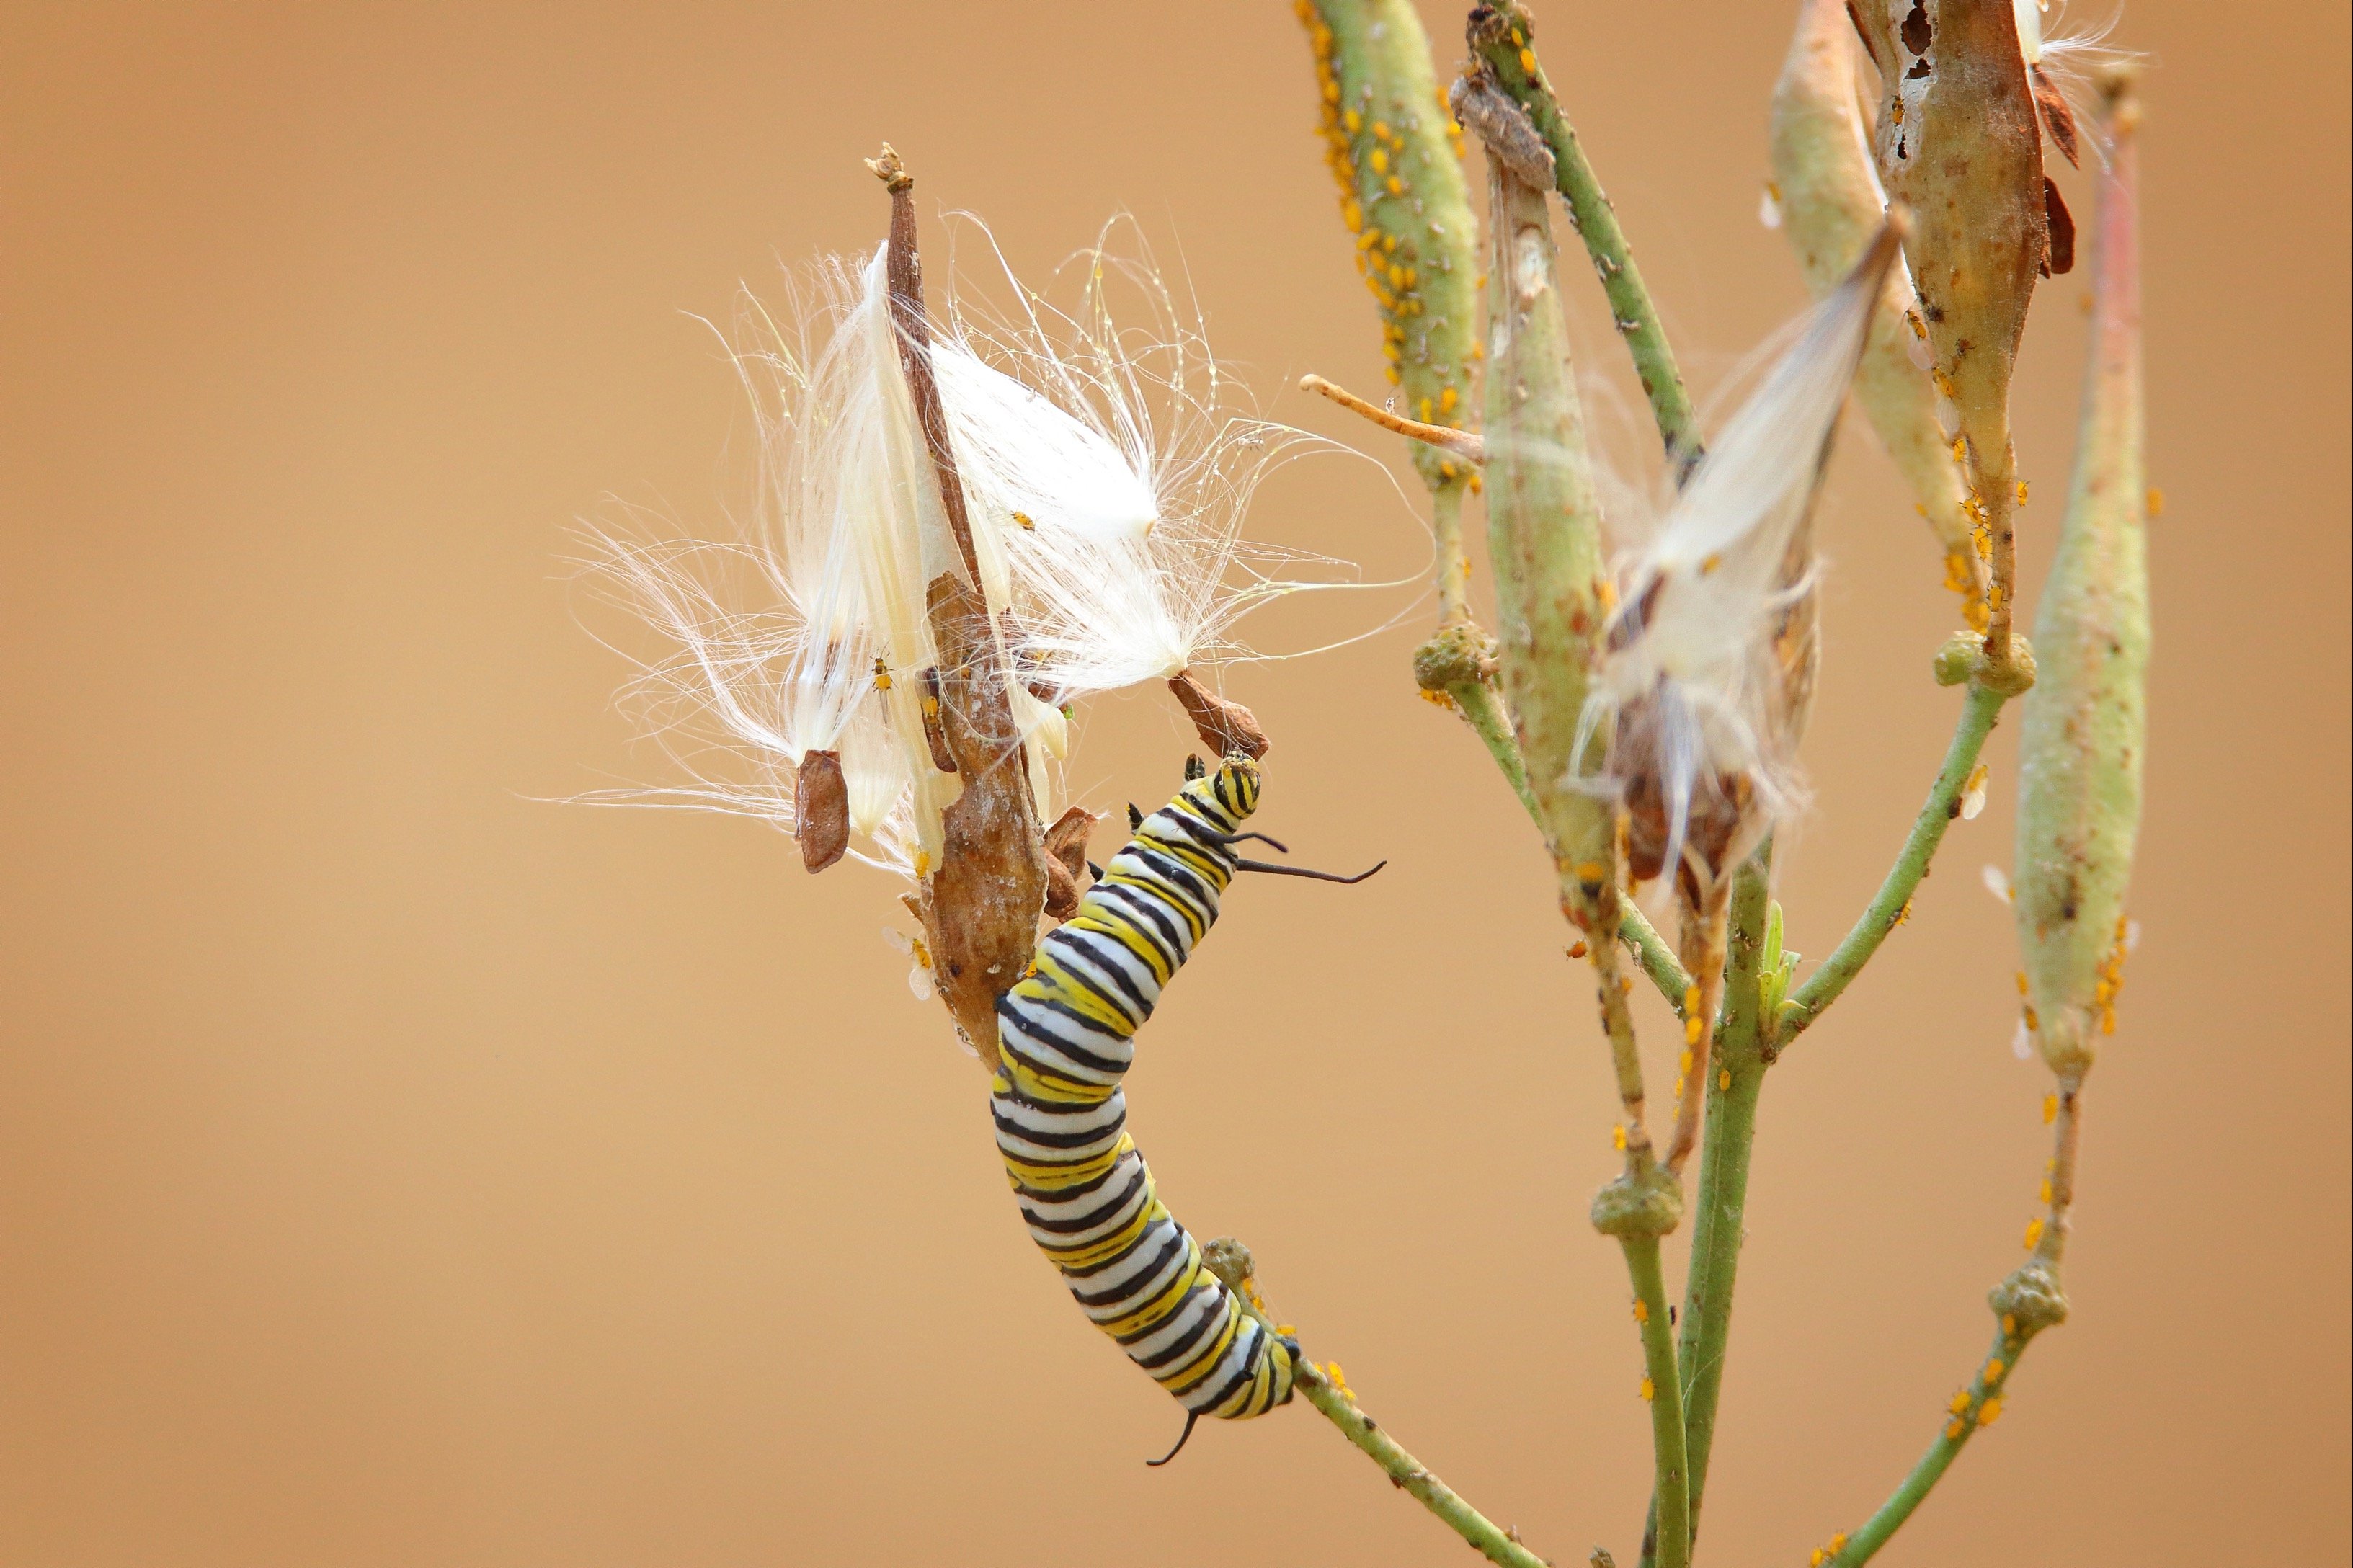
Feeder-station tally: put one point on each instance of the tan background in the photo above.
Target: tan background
(396, 1169)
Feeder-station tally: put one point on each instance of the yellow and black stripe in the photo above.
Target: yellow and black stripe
(1067, 1034)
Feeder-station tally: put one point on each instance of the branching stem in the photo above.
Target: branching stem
(1504, 45)
(1980, 711)
(1651, 950)
(1408, 1474)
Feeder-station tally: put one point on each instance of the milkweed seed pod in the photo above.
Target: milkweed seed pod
(1709, 662)
(964, 526)
(1708, 672)
(1543, 519)
(2085, 718)
(1826, 194)
(1395, 151)
(1958, 141)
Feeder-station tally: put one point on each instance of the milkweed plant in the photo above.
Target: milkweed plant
(969, 522)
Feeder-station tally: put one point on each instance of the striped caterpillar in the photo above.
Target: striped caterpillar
(1067, 1035)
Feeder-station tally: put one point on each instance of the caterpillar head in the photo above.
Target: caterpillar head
(1232, 789)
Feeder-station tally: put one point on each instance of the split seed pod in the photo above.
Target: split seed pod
(1958, 140)
(1831, 203)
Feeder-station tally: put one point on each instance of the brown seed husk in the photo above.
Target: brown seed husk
(1066, 857)
(820, 809)
(1226, 729)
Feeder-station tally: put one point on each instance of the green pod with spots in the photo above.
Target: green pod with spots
(1396, 153)
(2086, 721)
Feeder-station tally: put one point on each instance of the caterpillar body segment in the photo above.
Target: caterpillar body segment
(1067, 1034)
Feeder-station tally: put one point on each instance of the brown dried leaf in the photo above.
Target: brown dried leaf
(1226, 729)
(821, 810)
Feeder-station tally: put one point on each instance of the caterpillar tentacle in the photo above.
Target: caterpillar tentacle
(1068, 1034)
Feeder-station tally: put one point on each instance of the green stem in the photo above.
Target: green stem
(1504, 45)
(1737, 1077)
(1482, 709)
(1982, 1404)
(1980, 711)
(1408, 1474)
(1663, 1388)
(1651, 950)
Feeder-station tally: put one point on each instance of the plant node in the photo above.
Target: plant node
(1640, 1203)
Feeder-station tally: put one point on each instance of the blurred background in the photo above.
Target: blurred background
(397, 1168)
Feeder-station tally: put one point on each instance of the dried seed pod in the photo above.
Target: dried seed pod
(1227, 728)
(990, 884)
(820, 809)
(1959, 141)
(1831, 204)
(2086, 720)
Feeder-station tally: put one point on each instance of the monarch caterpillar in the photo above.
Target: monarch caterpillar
(1066, 1037)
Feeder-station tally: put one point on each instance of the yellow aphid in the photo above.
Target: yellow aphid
(1953, 1430)
(923, 863)
(2009, 1325)
(1723, 1079)
(1616, 1133)
(1817, 1558)
(1397, 187)
(2045, 1193)
(2156, 502)
(2021, 983)
(1838, 1542)
(1993, 1369)
(1528, 61)
(1693, 1028)
(1025, 520)
(2050, 1109)
(2033, 1022)
(2033, 1233)
(2108, 1020)
(1353, 120)
(1650, 1391)
(1686, 1065)
(1437, 699)
(1961, 1403)
(1960, 448)
(1991, 1413)
(1447, 399)
(2021, 493)
(1642, 1310)
(1379, 160)
(882, 676)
